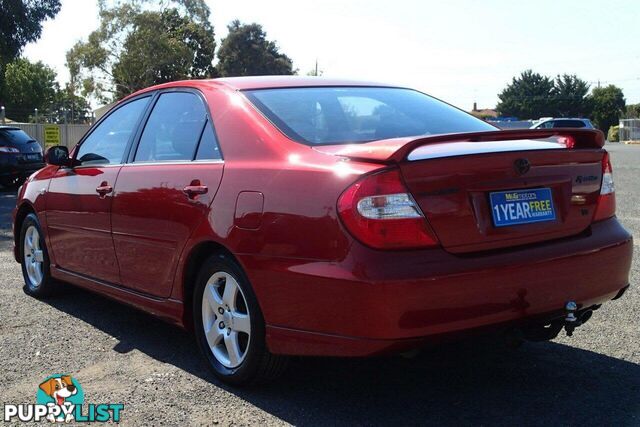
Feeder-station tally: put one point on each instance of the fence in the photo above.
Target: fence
(50, 134)
(629, 130)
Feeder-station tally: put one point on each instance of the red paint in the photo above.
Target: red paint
(272, 203)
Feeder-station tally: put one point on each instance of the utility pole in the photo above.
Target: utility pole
(316, 74)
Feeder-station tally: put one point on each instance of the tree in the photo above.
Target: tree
(136, 46)
(632, 112)
(247, 52)
(529, 96)
(68, 107)
(608, 106)
(21, 23)
(570, 97)
(29, 86)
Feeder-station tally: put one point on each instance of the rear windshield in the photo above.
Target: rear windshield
(345, 115)
(14, 136)
(569, 124)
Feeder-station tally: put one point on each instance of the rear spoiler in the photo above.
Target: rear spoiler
(398, 149)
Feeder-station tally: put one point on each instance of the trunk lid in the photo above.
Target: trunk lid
(459, 181)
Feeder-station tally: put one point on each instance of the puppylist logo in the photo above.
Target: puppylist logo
(60, 398)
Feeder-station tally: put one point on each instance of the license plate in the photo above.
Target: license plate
(522, 206)
(32, 156)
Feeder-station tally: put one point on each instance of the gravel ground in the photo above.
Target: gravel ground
(120, 355)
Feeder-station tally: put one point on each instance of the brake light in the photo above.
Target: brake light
(606, 207)
(9, 150)
(379, 211)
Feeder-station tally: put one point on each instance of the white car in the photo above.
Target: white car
(550, 122)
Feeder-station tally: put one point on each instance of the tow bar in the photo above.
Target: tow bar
(571, 322)
(573, 318)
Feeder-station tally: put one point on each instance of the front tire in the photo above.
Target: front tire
(35, 259)
(229, 326)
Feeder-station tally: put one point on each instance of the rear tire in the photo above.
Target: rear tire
(229, 326)
(35, 259)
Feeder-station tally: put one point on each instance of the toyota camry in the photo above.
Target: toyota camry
(279, 216)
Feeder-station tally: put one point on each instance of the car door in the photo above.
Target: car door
(78, 204)
(165, 191)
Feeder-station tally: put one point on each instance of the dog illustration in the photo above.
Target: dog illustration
(59, 389)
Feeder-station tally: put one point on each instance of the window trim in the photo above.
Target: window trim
(76, 149)
(142, 125)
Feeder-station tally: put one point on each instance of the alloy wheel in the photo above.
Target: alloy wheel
(33, 257)
(226, 319)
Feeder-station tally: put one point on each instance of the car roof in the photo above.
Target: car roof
(2, 127)
(562, 118)
(263, 82)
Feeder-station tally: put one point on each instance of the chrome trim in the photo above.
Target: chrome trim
(463, 148)
(181, 162)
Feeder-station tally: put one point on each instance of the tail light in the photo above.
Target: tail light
(607, 200)
(379, 211)
(9, 150)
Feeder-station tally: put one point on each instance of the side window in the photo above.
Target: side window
(173, 129)
(107, 142)
(208, 148)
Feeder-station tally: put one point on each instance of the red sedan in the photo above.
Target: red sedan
(279, 216)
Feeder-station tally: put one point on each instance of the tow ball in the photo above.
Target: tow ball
(573, 318)
(571, 322)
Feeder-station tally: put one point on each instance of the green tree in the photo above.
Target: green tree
(29, 86)
(68, 107)
(137, 46)
(247, 52)
(608, 106)
(633, 111)
(570, 96)
(529, 96)
(21, 23)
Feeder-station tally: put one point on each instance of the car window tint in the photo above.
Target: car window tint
(173, 129)
(343, 115)
(208, 148)
(568, 124)
(107, 142)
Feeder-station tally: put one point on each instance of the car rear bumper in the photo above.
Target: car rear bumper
(376, 301)
(22, 170)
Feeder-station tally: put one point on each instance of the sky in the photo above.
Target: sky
(462, 51)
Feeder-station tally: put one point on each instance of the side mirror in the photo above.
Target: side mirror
(58, 156)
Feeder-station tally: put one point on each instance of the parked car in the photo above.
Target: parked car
(20, 156)
(279, 216)
(547, 123)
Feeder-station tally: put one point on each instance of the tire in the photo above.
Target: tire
(35, 259)
(229, 326)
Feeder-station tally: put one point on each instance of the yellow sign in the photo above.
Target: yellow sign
(51, 135)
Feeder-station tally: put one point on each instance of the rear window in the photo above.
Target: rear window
(14, 136)
(344, 115)
(568, 124)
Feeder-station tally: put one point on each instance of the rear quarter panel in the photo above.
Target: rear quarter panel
(300, 188)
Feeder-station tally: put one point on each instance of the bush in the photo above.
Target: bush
(612, 135)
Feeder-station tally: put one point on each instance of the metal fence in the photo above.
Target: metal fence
(52, 134)
(629, 130)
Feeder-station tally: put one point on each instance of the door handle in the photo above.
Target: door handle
(195, 189)
(104, 189)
